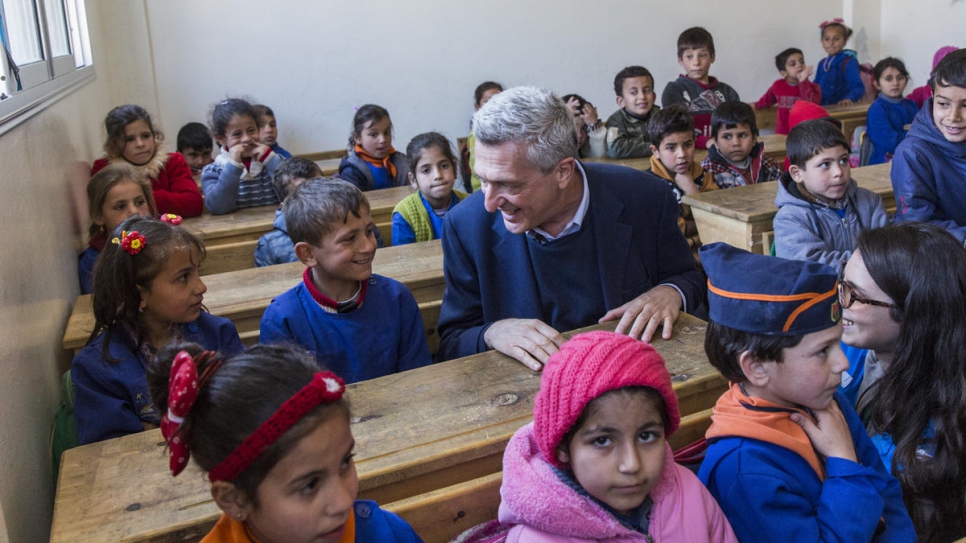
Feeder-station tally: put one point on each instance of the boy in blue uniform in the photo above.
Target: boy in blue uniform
(788, 459)
(359, 325)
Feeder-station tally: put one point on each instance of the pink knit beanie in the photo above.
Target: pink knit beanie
(941, 54)
(587, 366)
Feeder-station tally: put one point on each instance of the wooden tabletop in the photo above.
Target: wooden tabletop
(774, 147)
(242, 296)
(415, 431)
(757, 202)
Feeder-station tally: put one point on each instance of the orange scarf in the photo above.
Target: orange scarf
(384, 163)
(229, 530)
(704, 180)
(739, 415)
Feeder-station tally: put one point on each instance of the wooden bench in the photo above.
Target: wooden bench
(416, 432)
(230, 239)
(850, 117)
(242, 296)
(328, 161)
(441, 515)
(742, 216)
(774, 147)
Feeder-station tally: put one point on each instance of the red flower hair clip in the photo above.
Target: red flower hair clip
(132, 242)
(837, 21)
(171, 218)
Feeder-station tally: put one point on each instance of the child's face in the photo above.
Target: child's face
(794, 65)
(696, 63)
(892, 83)
(810, 372)
(123, 200)
(240, 130)
(485, 97)
(618, 453)
(867, 326)
(434, 177)
(307, 497)
(736, 143)
(344, 257)
(676, 151)
(139, 144)
(833, 40)
(826, 174)
(197, 159)
(268, 132)
(949, 112)
(176, 293)
(637, 95)
(376, 137)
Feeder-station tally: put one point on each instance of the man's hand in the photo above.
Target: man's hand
(528, 340)
(830, 435)
(641, 316)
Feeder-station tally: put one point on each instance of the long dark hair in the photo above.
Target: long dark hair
(120, 117)
(117, 274)
(923, 269)
(240, 395)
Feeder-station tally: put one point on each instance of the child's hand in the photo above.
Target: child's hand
(830, 436)
(805, 74)
(845, 102)
(589, 115)
(258, 150)
(686, 184)
(241, 150)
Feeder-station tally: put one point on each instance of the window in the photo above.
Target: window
(45, 54)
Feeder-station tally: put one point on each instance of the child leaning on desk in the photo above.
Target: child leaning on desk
(272, 431)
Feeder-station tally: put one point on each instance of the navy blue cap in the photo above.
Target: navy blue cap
(768, 295)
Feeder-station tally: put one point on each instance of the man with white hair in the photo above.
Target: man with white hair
(573, 244)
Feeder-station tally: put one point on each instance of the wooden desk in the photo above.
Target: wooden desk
(242, 296)
(742, 216)
(415, 431)
(850, 116)
(230, 239)
(774, 147)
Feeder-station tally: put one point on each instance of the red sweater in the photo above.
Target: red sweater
(174, 189)
(785, 96)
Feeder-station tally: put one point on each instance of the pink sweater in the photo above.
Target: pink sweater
(545, 509)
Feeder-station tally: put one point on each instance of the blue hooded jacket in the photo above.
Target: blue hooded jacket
(929, 176)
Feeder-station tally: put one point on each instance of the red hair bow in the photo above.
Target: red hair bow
(183, 388)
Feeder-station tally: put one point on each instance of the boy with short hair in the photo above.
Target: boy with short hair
(736, 157)
(194, 142)
(788, 459)
(672, 132)
(359, 325)
(697, 90)
(627, 127)
(268, 129)
(276, 247)
(591, 133)
(821, 209)
(792, 87)
(929, 167)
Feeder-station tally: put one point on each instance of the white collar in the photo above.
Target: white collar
(574, 225)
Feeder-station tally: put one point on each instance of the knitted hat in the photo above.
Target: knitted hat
(941, 54)
(767, 295)
(587, 366)
(802, 111)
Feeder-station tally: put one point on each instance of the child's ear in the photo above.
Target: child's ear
(412, 180)
(562, 455)
(680, 61)
(620, 102)
(231, 500)
(712, 58)
(798, 174)
(98, 219)
(753, 369)
(653, 149)
(303, 251)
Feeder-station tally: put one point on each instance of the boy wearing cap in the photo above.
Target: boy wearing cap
(788, 459)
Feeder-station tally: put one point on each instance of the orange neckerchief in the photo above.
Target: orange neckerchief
(229, 530)
(384, 163)
(739, 415)
(703, 179)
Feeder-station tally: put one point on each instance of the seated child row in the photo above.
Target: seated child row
(787, 457)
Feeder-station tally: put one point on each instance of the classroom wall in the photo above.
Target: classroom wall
(314, 62)
(913, 32)
(45, 169)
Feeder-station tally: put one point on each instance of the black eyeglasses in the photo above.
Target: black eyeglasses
(847, 295)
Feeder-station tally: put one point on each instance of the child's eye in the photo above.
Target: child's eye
(425, 169)
(647, 437)
(445, 165)
(347, 462)
(602, 441)
(140, 202)
(370, 232)
(119, 206)
(309, 487)
(646, 90)
(633, 92)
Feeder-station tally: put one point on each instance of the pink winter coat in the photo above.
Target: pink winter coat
(545, 509)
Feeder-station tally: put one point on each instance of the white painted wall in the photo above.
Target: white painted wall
(313, 62)
(913, 32)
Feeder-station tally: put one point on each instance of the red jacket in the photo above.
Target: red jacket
(175, 191)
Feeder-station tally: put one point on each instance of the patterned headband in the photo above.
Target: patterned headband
(183, 388)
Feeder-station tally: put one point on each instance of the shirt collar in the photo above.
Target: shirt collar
(574, 225)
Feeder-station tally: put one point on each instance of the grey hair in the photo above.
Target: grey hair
(318, 206)
(531, 115)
